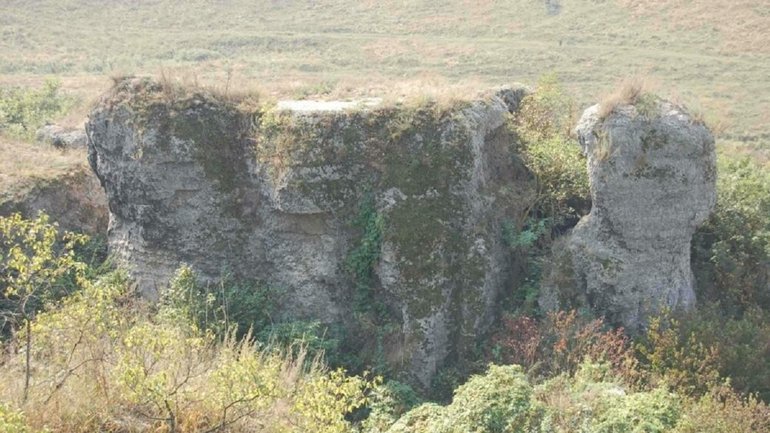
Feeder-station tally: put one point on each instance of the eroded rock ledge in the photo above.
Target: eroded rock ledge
(652, 172)
(293, 197)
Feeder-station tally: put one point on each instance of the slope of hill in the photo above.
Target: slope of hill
(714, 52)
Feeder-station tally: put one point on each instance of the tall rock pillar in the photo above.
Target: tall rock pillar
(652, 171)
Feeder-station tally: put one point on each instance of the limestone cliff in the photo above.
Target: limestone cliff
(335, 204)
(652, 172)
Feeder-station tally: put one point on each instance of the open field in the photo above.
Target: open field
(714, 54)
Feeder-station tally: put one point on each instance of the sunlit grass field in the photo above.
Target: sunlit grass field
(712, 54)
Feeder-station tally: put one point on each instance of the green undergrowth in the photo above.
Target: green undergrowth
(24, 110)
(553, 157)
(362, 259)
(103, 358)
(731, 251)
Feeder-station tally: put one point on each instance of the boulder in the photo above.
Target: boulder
(652, 173)
(61, 137)
(344, 206)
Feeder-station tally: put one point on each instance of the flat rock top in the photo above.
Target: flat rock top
(309, 106)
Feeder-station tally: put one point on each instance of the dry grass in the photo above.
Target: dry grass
(737, 25)
(347, 49)
(103, 362)
(171, 87)
(22, 164)
(628, 92)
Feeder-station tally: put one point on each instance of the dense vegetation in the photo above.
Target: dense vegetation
(101, 359)
(83, 353)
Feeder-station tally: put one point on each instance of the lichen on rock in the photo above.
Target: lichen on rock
(274, 193)
(652, 172)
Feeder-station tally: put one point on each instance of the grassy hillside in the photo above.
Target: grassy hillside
(715, 53)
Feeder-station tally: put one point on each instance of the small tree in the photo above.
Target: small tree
(34, 259)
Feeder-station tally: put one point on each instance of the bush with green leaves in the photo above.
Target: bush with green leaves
(723, 410)
(12, 421)
(694, 352)
(731, 252)
(104, 360)
(498, 401)
(35, 263)
(23, 110)
(595, 400)
(387, 403)
(560, 343)
(543, 123)
(245, 309)
(552, 155)
(505, 400)
(221, 306)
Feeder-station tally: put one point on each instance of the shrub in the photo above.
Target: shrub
(104, 362)
(731, 252)
(680, 359)
(498, 401)
(312, 337)
(387, 403)
(221, 306)
(243, 308)
(503, 400)
(33, 265)
(12, 421)
(551, 154)
(562, 179)
(695, 350)
(561, 342)
(723, 410)
(23, 111)
(543, 123)
(594, 400)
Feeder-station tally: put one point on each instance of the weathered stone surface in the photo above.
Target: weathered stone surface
(280, 194)
(652, 174)
(61, 137)
(75, 200)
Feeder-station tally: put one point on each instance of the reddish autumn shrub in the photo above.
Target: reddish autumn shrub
(561, 342)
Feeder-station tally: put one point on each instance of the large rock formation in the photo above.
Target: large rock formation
(338, 205)
(652, 174)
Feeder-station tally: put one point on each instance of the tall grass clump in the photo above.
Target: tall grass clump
(629, 91)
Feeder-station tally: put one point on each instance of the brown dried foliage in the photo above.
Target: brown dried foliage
(561, 342)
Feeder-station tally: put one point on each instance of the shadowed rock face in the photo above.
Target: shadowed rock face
(652, 174)
(74, 200)
(296, 197)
